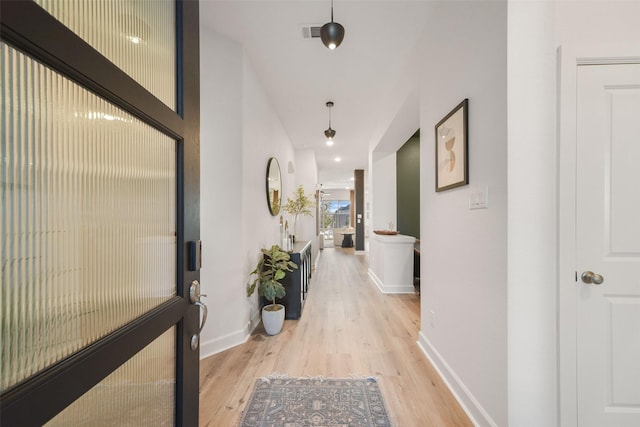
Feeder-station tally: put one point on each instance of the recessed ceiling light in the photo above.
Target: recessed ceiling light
(337, 159)
(351, 179)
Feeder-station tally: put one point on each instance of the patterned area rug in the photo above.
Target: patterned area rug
(312, 402)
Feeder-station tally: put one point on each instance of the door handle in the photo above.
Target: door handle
(194, 297)
(591, 277)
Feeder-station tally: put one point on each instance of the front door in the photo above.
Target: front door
(99, 170)
(608, 245)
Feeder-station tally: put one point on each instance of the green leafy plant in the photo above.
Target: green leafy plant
(299, 205)
(271, 268)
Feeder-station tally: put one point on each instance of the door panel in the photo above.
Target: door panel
(608, 236)
(100, 179)
(88, 217)
(139, 36)
(142, 390)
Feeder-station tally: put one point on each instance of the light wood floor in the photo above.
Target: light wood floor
(347, 328)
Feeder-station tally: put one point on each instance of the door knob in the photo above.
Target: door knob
(194, 296)
(591, 277)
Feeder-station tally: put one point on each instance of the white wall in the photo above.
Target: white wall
(239, 133)
(336, 194)
(306, 174)
(263, 138)
(603, 21)
(384, 192)
(535, 30)
(221, 175)
(391, 134)
(531, 215)
(463, 54)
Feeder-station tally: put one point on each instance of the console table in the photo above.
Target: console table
(296, 282)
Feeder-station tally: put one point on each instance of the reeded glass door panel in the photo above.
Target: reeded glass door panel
(140, 393)
(139, 36)
(87, 217)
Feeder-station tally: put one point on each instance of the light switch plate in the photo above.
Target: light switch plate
(479, 199)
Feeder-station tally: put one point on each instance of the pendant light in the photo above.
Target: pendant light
(329, 133)
(332, 33)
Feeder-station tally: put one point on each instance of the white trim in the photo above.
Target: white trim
(254, 321)
(223, 343)
(359, 252)
(608, 60)
(469, 404)
(231, 340)
(567, 379)
(569, 58)
(390, 289)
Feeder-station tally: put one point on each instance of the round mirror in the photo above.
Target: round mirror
(274, 186)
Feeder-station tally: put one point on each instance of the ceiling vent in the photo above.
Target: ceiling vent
(311, 31)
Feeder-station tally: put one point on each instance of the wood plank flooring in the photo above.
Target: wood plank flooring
(347, 328)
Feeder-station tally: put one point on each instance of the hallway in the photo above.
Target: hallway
(348, 328)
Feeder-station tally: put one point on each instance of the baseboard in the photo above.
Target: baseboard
(476, 413)
(360, 252)
(231, 340)
(254, 321)
(223, 343)
(390, 289)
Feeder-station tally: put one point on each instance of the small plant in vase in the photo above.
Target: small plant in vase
(271, 269)
(299, 205)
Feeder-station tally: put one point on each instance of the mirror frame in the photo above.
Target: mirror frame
(274, 208)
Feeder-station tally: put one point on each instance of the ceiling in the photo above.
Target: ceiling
(300, 74)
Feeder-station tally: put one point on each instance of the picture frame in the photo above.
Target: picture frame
(452, 148)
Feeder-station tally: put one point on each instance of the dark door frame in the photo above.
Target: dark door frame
(29, 28)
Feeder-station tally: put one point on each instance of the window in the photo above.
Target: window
(336, 214)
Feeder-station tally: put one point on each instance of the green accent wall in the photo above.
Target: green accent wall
(408, 187)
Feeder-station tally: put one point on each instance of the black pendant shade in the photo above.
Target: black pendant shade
(329, 133)
(332, 33)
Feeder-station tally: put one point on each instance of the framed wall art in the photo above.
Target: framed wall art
(452, 154)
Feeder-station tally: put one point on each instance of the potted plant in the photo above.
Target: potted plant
(271, 268)
(299, 205)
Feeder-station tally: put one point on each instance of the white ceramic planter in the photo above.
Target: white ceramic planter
(273, 320)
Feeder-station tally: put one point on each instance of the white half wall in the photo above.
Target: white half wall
(463, 54)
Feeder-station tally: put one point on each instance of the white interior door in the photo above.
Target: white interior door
(608, 245)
